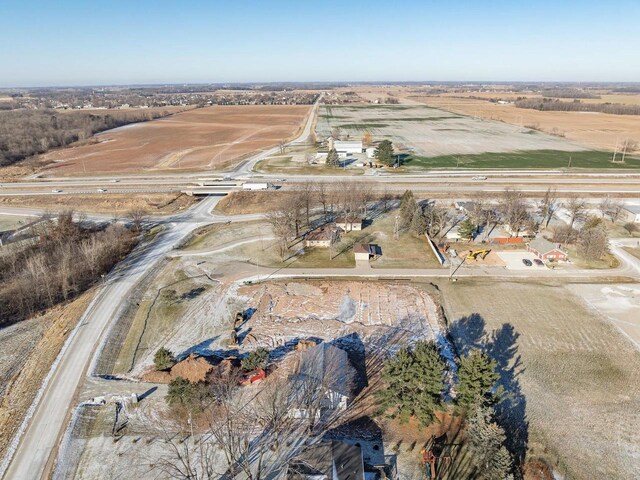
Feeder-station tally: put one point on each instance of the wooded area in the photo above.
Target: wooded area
(553, 105)
(63, 261)
(24, 133)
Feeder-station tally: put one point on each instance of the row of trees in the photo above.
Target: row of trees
(293, 215)
(415, 385)
(550, 104)
(24, 133)
(62, 261)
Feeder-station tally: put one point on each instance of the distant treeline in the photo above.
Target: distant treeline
(24, 133)
(64, 261)
(568, 93)
(553, 105)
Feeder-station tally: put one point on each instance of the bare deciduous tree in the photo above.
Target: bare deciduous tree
(576, 208)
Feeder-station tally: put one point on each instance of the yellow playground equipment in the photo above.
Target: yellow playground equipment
(478, 253)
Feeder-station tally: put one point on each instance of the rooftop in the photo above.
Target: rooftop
(324, 232)
(542, 245)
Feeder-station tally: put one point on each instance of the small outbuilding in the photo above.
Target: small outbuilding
(546, 250)
(363, 251)
(348, 224)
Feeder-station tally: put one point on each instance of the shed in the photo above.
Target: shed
(348, 224)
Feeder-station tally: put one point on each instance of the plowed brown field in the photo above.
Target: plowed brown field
(205, 138)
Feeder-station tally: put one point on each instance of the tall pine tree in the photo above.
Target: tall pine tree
(415, 382)
(477, 378)
(384, 153)
(486, 443)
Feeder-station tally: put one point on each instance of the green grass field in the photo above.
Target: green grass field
(526, 159)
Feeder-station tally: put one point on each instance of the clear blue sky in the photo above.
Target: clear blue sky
(73, 42)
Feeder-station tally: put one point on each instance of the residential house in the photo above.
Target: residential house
(546, 250)
(323, 382)
(322, 236)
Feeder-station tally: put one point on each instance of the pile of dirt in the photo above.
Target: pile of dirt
(193, 368)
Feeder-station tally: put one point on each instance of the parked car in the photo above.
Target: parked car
(527, 262)
(538, 262)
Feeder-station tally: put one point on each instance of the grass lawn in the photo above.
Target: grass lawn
(526, 159)
(216, 235)
(286, 165)
(606, 262)
(298, 257)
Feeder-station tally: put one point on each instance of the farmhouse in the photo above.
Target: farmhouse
(631, 213)
(348, 224)
(546, 250)
(322, 236)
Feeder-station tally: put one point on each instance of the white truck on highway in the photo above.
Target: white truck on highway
(255, 186)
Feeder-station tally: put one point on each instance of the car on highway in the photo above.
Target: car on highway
(538, 262)
(55, 190)
(115, 180)
(101, 190)
(527, 262)
(479, 177)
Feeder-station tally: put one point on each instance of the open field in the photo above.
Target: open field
(598, 131)
(431, 132)
(579, 376)
(206, 138)
(546, 159)
(112, 203)
(238, 203)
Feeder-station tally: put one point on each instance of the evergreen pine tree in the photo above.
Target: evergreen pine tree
(333, 159)
(164, 359)
(476, 379)
(466, 229)
(418, 222)
(486, 443)
(407, 209)
(384, 153)
(415, 381)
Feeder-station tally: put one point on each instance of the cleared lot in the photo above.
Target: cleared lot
(578, 376)
(212, 137)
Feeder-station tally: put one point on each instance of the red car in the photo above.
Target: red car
(538, 262)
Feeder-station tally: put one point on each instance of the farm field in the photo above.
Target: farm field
(579, 377)
(426, 132)
(206, 138)
(597, 131)
(531, 159)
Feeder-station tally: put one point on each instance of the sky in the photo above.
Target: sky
(74, 42)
